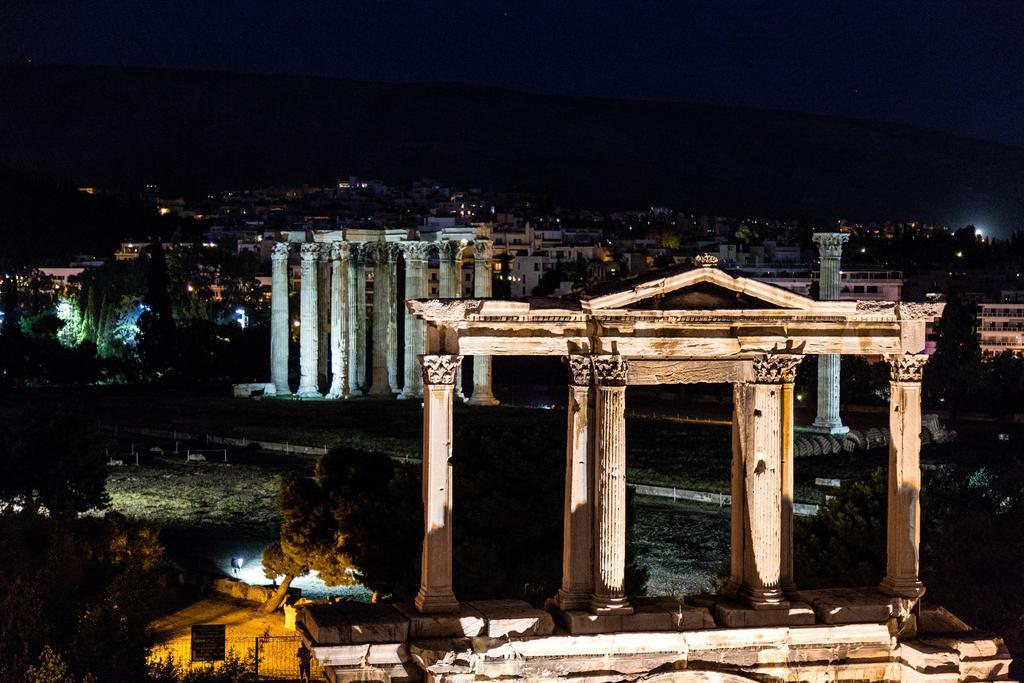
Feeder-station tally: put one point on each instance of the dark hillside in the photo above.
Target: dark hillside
(192, 132)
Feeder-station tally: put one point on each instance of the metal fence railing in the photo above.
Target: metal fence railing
(269, 657)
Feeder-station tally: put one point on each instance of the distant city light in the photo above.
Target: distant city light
(959, 254)
(243, 319)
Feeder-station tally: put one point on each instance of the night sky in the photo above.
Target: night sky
(953, 66)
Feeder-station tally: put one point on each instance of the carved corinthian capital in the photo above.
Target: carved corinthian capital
(416, 251)
(309, 251)
(280, 251)
(830, 244)
(440, 368)
(610, 371)
(339, 251)
(776, 368)
(483, 250)
(907, 367)
(450, 250)
(580, 370)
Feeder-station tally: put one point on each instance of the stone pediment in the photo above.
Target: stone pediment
(696, 289)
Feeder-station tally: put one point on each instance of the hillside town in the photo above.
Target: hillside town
(544, 250)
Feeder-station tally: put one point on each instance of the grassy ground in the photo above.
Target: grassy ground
(662, 451)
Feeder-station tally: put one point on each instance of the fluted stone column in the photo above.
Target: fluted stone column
(449, 253)
(903, 528)
(435, 594)
(323, 300)
(578, 525)
(392, 319)
(483, 288)
(380, 384)
(339, 320)
(356, 319)
(309, 328)
(279, 319)
(788, 483)
(609, 595)
(760, 419)
(416, 254)
(830, 249)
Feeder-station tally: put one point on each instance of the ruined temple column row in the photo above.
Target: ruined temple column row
(483, 288)
(279, 319)
(309, 332)
(435, 594)
(830, 249)
(903, 521)
(761, 535)
(609, 596)
(577, 525)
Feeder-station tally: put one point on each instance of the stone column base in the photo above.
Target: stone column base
(309, 393)
(902, 588)
(436, 603)
(610, 605)
(831, 428)
(485, 400)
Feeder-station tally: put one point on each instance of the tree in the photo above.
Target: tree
(954, 370)
(52, 462)
(156, 341)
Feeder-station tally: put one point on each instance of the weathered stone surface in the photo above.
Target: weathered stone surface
(850, 605)
(732, 615)
(346, 623)
(505, 618)
(933, 619)
(467, 622)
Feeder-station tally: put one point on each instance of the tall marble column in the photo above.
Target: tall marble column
(578, 525)
(339, 320)
(830, 249)
(380, 384)
(323, 344)
(392, 320)
(758, 477)
(309, 328)
(356, 319)
(279, 319)
(449, 254)
(786, 577)
(609, 595)
(483, 288)
(435, 594)
(416, 254)
(903, 528)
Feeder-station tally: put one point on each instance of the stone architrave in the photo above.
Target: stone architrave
(609, 595)
(578, 525)
(323, 300)
(449, 254)
(903, 529)
(435, 594)
(416, 254)
(339, 320)
(830, 249)
(380, 384)
(309, 322)
(356, 319)
(483, 288)
(759, 477)
(279, 319)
